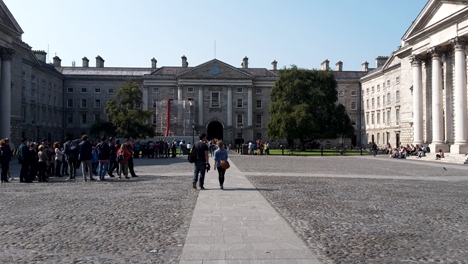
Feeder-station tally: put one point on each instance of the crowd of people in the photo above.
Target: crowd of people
(39, 161)
(410, 150)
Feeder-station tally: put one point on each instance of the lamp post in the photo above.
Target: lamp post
(193, 134)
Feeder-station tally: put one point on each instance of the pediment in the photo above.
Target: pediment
(8, 22)
(435, 12)
(215, 69)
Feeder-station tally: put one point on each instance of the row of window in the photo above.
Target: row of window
(96, 90)
(385, 114)
(156, 90)
(342, 93)
(386, 99)
(397, 81)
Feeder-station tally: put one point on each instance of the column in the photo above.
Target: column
(200, 105)
(249, 107)
(145, 97)
(179, 92)
(460, 104)
(5, 91)
(229, 106)
(437, 104)
(417, 101)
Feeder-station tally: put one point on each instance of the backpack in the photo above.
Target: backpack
(192, 156)
(72, 152)
(121, 156)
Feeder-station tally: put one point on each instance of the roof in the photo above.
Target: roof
(349, 75)
(114, 71)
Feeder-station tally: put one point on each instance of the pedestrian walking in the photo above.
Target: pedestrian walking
(86, 156)
(201, 151)
(220, 155)
(5, 158)
(103, 150)
(123, 156)
(24, 159)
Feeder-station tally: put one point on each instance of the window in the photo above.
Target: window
(69, 90)
(378, 118)
(83, 103)
(171, 90)
(378, 87)
(97, 103)
(388, 83)
(373, 103)
(155, 102)
(155, 90)
(70, 103)
(84, 90)
(373, 89)
(378, 101)
(378, 138)
(239, 135)
(258, 121)
(240, 120)
(388, 117)
(372, 120)
(69, 119)
(83, 118)
(258, 90)
(215, 99)
(353, 93)
(353, 105)
(383, 99)
(367, 103)
(33, 78)
(97, 117)
(111, 91)
(189, 89)
(97, 90)
(23, 76)
(353, 120)
(367, 119)
(397, 96)
(397, 80)
(383, 118)
(397, 116)
(341, 93)
(259, 104)
(367, 91)
(239, 103)
(240, 90)
(388, 98)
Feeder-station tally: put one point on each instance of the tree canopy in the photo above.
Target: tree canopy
(303, 106)
(125, 114)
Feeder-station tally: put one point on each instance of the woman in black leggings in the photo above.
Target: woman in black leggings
(220, 154)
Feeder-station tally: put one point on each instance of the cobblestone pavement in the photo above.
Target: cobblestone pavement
(407, 212)
(140, 220)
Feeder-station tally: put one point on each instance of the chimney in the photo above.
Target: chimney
(325, 65)
(380, 61)
(99, 62)
(245, 63)
(184, 62)
(57, 62)
(339, 66)
(153, 63)
(365, 66)
(274, 63)
(40, 55)
(85, 62)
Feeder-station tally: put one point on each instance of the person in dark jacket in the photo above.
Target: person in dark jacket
(5, 158)
(33, 161)
(86, 156)
(103, 151)
(113, 164)
(24, 159)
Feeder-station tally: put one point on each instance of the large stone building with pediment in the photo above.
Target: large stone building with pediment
(416, 95)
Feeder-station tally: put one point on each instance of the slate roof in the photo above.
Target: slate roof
(349, 75)
(112, 71)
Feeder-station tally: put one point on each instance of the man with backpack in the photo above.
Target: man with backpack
(201, 151)
(71, 154)
(103, 151)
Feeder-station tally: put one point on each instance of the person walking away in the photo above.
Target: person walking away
(71, 155)
(103, 150)
(58, 160)
(130, 160)
(374, 149)
(95, 161)
(85, 150)
(174, 148)
(24, 157)
(113, 164)
(123, 156)
(201, 150)
(33, 161)
(5, 158)
(42, 161)
(219, 155)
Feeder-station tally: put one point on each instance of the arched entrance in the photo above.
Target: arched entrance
(214, 130)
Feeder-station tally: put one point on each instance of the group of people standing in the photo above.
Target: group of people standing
(40, 161)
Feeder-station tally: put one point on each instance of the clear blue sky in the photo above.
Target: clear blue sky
(129, 33)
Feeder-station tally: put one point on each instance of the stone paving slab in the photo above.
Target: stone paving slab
(238, 225)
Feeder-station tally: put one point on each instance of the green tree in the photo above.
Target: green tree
(125, 114)
(102, 126)
(303, 106)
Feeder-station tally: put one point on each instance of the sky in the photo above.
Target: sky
(129, 33)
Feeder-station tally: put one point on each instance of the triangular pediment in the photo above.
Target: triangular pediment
(436, 12)
(8, 22)
(215, 69)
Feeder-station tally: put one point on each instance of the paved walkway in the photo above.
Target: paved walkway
(238, 225)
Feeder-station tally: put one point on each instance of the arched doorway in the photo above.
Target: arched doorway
(214, 130)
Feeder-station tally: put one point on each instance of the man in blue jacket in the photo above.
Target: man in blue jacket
(24, 159)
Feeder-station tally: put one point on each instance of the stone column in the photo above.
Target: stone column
(229, 106)
(249, 107)
(437, 104)
(200, 105)
(460, 104)
(417, 101)
(5, 91)
(179, 92)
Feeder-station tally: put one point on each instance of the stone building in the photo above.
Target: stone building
(419, 94)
